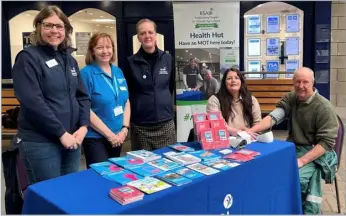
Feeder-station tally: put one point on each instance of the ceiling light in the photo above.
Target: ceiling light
(186, 51)
(101, 16)
(91, 14)
(98, 25)
(80, 11)
(190, 53)
(106, 26)
(103, 20)
(28, 14)
(111, 27)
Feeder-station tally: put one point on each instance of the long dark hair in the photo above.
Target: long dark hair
(226, 99)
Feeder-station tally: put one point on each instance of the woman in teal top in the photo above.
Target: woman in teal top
(110, 107)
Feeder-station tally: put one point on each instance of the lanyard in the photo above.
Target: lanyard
(114, 87)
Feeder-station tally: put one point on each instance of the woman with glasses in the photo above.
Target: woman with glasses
(239, 108)
(54, 104)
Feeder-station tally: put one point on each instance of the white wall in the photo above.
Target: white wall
(24, 23)
(88, 27)
(19, 24)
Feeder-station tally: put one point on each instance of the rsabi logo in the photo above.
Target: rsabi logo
(208, 12)
(227, 203)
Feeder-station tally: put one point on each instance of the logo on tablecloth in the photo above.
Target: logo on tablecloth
(228, 202)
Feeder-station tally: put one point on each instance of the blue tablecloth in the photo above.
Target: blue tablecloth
(269, 184)
(191, 96)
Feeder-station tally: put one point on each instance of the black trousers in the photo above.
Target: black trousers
(99, 150)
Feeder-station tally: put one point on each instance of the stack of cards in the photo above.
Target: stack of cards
(242, 155)
(188, 173)
(206, 155)
(149, 185)
(174, 178)
(165, 164)
(211, 130)
(126, 194)
(182, 157)
(144, 155)
(221, 164)
(104, 168)
(181, 148)
(203, 169)
(123, 177)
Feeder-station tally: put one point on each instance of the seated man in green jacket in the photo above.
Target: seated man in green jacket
(313, 127)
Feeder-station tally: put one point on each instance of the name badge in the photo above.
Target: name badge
(51, 63)
(123, 88)
(118, 110)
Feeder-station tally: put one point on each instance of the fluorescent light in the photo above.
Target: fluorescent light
(103, 20)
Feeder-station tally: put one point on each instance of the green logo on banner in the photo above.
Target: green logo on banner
(207, 25)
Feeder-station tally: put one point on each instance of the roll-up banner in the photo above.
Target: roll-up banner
(206, 44)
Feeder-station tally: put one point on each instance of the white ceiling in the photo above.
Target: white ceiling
(273, 7)
(90, 15)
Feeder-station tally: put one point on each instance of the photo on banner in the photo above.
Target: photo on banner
(206, 44)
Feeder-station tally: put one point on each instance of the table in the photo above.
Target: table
(269, 184)
(191, 96)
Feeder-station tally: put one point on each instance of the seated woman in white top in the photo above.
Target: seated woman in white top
(239, 108)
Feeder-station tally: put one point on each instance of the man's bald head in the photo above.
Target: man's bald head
(303, 81)
(208, 74)
(304, 71)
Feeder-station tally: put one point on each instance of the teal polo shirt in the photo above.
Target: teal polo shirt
(107, 95)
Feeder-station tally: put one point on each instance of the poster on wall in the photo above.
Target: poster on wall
(291, 66)
(273, 24)
(207, 45)
(292, 46)
(26, 39)
(292, 23)
(82, 40)
(254, 47)
(254, 24)
(229, 57)
(272, 48)
(272, 66)
(254, 66)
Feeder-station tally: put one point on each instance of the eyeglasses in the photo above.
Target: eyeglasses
(49, 26)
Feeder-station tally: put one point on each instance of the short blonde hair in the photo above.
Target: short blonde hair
(46, 12)
(89, 58)
(144, 21)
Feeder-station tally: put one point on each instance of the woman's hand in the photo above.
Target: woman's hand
(80, 134)
(113, 139)
(232, 131)
(122, 135)
(251, 133)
